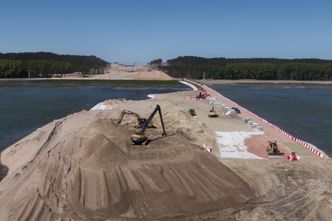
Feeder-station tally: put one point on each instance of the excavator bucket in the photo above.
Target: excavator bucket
(138, 139)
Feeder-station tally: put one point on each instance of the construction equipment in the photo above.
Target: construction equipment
(192, 112)
(273, 150)
(138, 138)
(237, 110)
(212, 113)
(293, 157)
(140, 120)
(201, 95)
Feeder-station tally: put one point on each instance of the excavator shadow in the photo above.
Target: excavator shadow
(157, 138)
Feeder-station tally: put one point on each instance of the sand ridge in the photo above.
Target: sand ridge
(137, 72)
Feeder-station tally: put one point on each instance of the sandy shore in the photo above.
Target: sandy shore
(84, 167)
(249, 81)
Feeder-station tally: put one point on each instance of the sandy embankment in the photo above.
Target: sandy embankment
(84, 167)
(138, 72)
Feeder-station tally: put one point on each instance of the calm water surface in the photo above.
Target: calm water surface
(302, 110)
(27, 106)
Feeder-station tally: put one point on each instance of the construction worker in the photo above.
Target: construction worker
(292, 157)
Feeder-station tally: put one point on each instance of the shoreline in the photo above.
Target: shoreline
(206, 81)
(82, 79)
(128, 82)
(249, 81)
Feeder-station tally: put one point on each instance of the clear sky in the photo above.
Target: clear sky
(131, 31)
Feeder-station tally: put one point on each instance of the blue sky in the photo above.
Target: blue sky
(131, 31)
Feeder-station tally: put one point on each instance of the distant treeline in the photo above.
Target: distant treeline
(252, 68)
(44, 64)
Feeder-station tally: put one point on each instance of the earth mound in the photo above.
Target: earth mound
(137, 72)
(84, 167)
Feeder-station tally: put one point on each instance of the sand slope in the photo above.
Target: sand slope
(84, 167)
(138, 72)
(288, 191)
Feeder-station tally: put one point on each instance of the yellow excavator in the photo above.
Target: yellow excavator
(140, 120)
(212, 113)
(273, 150)
(139, 137)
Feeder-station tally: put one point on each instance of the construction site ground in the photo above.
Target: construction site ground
(84, 167)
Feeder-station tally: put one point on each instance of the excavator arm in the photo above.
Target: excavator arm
(139, 137)
(140, 120)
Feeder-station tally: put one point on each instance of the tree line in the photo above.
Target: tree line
(45, 64)
(248, 68)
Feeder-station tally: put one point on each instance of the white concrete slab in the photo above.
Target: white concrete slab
(231, 144)
(102, 106)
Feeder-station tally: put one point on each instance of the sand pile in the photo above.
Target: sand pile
(139, 72)
(84, 167)
(288, 191)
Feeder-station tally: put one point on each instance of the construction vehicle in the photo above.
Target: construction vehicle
(201, 95)
(139, 137)
(273, 150)
(212, 113)
(237, 110)
(192, 112)
(140, 120)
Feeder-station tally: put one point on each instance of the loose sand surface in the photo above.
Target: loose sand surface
(84, 167)
(139, 72)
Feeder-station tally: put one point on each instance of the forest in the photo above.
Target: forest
(248, 68)
(45, 64)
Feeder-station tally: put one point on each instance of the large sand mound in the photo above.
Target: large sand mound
(84, 167)
(138, 72)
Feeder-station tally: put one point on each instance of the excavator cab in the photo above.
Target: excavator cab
(139, 137)
(273, 150)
